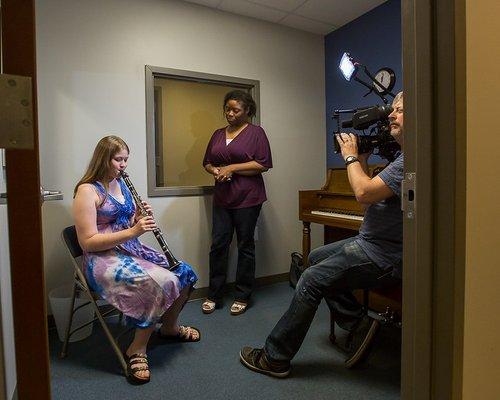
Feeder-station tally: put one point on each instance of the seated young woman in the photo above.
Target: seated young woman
(132, 277)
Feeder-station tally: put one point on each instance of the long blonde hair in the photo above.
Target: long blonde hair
(99, 166)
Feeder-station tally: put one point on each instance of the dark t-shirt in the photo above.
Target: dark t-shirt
(251, 144)
(381, 234)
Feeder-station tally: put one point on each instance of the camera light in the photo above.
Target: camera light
(347, 66)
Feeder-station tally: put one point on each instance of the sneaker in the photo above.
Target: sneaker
(256, 360)
(359, 341)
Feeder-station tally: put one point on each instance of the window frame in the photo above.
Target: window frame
(153, 72)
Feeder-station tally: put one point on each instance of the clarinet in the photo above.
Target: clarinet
(172, 261)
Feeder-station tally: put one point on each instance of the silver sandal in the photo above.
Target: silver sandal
(208, 306)
(238, 307)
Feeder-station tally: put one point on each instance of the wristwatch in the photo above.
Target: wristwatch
(350, 160)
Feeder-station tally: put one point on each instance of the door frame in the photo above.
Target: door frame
(24, 215)
(434, 250)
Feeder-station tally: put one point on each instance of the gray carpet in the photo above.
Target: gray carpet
(210, 369)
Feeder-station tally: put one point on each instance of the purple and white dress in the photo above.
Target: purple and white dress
(132, 277)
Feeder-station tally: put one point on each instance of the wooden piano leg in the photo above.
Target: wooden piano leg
(306, 242)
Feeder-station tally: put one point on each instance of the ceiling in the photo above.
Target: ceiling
(316, 16)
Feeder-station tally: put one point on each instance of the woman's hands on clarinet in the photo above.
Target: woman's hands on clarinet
(145, 211)
(145, 224)
(144, 220)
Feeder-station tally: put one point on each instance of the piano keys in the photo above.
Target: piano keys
(337, 214)
(334, 206)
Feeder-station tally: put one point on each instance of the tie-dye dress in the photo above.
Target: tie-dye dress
(131, 276)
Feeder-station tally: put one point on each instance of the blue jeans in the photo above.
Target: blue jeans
(335, 270)
(224, 222)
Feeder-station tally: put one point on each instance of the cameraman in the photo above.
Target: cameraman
(372, 259)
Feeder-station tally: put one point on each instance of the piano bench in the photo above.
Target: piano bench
(387, 303)
(383, 300)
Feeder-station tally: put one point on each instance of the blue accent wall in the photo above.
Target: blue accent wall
(374, 40)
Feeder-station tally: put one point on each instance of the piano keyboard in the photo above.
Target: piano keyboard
(337, 215)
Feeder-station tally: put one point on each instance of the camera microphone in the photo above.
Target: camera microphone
(364, 118)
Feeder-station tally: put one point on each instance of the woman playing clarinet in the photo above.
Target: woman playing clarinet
(132, 277)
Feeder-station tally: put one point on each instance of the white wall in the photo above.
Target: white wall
(91, 56)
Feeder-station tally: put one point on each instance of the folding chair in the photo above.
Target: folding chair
(80, 285)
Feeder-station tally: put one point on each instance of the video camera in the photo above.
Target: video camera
(379, 139)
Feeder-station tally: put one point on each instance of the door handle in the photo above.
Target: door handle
(46, 195)
(50, 195)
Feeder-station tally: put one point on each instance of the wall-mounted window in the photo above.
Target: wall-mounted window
(183, 109)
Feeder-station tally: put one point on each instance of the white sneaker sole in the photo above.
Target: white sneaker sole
(364, 347)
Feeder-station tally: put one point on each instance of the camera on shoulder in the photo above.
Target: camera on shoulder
(379, 140)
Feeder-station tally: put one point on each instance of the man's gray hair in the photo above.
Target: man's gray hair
(398, 98)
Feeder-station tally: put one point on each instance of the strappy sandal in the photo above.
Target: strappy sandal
(208, 306)
(238, 307)
(132, 368)
(185, 334)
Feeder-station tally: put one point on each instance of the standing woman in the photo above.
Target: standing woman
(132, 277)
(236, 156)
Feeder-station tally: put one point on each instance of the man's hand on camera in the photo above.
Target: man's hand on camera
(348, 144)
(363, 158)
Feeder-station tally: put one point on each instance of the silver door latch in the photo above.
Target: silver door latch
(408, 192)
(49, 195)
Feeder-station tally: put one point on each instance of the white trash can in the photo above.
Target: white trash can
(60, 302)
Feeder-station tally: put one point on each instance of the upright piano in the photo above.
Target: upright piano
(333, 206)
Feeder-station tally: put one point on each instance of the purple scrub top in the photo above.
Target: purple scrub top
(251, 144)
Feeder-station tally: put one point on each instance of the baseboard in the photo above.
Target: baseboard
(201, 293)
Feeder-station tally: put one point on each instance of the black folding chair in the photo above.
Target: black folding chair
(80, 285)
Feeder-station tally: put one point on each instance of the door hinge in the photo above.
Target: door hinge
(16, 112)
(408, 195)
